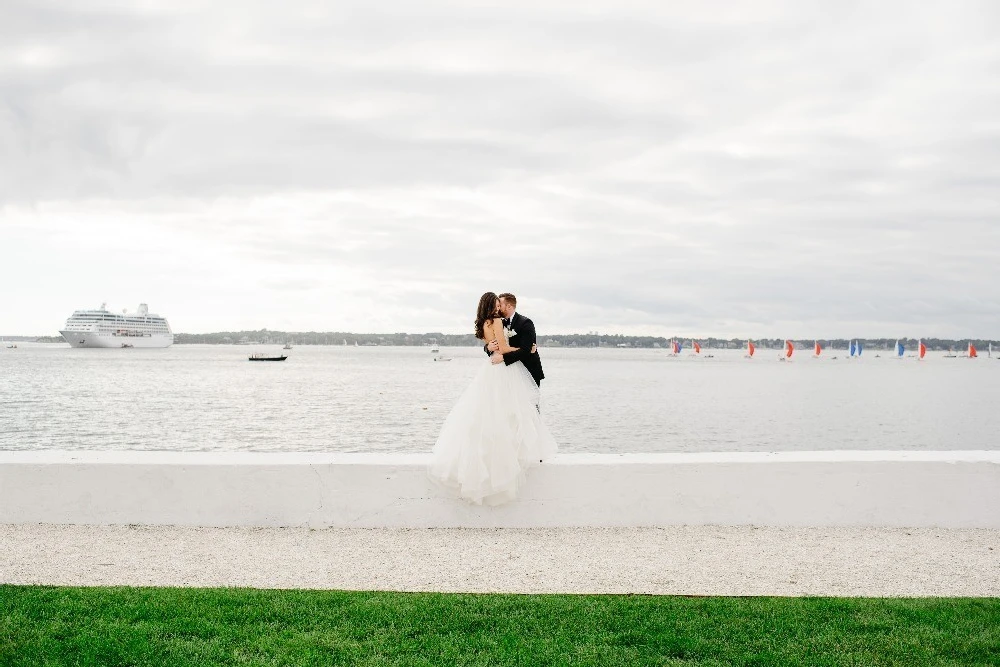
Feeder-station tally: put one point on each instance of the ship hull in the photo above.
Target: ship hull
(92, 339)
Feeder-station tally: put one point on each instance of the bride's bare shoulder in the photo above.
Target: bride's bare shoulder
(487, 330)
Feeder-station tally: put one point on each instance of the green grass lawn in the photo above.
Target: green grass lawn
(184, 626)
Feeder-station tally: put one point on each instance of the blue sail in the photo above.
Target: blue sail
(859, 348)
(899, 349)
(852, 348)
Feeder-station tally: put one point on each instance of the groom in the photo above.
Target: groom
(520, 334)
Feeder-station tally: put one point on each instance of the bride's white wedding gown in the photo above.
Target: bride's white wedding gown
(492, 435)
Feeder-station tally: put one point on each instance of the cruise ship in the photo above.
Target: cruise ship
(102, 328)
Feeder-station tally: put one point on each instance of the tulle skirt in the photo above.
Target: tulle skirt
(492, 436)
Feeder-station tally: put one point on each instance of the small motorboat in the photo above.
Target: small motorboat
(260, 356)
(287, 347)
(124, 345)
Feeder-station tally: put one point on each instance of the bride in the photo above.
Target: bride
(494, 433)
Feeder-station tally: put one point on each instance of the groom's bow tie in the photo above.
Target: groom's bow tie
(506, 321)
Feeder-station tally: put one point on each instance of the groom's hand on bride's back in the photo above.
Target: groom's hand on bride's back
(534, 348)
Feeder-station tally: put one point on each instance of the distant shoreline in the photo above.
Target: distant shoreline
(589, 340)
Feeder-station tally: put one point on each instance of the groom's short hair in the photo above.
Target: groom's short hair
(509, 298)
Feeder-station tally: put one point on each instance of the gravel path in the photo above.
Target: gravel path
(683, 560)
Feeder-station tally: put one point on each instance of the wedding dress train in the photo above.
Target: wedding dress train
(492, 436)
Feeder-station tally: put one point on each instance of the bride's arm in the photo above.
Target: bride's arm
(497, 329)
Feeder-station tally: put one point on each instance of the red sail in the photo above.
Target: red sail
(750, 348)
(697, 347)
(789, 348)
(972, 351)
(818, 348)
(923, 349)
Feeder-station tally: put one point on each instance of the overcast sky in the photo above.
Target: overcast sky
(737, 169)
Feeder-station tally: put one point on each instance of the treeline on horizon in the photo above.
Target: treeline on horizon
(266, 336)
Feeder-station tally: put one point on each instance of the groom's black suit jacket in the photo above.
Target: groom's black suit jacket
(523, 338)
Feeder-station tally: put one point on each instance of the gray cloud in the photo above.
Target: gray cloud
(783, 169)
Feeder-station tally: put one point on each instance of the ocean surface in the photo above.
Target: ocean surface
(394, 399)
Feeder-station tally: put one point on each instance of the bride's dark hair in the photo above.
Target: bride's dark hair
(489, 304)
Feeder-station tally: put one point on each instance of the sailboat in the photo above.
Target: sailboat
(972, 351)
(921, 350)
(789, 350)
(899, 350)
(858, 345)
(852, 348)
(696, 346)
(816, 350)
(675, 348)
(750, 350)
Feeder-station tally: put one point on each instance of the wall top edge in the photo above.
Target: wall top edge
(397, 459)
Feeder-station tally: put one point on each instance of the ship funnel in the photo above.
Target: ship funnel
(143, 310)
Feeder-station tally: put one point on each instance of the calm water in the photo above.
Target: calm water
(378, 399)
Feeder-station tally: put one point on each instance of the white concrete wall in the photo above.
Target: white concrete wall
(846, 488)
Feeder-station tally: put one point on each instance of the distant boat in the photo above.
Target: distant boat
(102, 328)
(750, 349)
(921, 350)
(899, 350)
(817, 350)
(675, 348)
(852, 349)
(858, 345)
(696, 346)
(260, 356)
(951, 354)
(126, 345)
(972, 351)
(789, 350)
(288, 346)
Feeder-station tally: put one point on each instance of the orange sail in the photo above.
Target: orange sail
(972, 351)
(818, 349)
(750, 348)
(697, 347)
(922, 348)
(789, 349)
